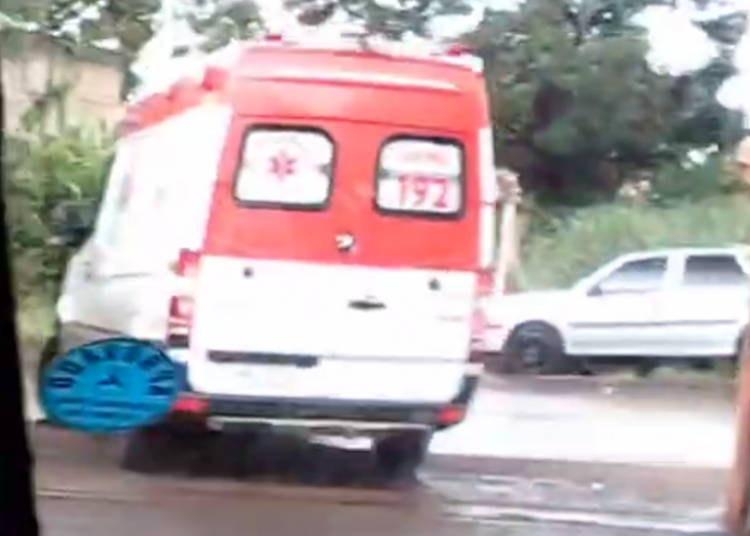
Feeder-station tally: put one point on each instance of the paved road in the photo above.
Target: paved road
(290, 487)
(81, 492)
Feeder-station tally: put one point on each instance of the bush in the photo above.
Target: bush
(570, 246)
(42, 172)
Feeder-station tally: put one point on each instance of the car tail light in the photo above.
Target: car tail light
(182, 303)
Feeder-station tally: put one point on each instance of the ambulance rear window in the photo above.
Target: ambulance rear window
(420, 177)
(285, 167)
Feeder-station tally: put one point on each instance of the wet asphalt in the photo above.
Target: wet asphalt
(289, 487)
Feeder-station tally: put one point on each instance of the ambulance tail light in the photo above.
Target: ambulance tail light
(188, 404)
(181, 305)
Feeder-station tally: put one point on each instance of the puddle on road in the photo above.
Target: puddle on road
(702, 523)
(541, 529)
(498, 500)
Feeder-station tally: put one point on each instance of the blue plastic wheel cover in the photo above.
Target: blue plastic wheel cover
(112, 385)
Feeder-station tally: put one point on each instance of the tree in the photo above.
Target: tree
(576, 106)
(221, 22)
(128, 24)
(390, 18)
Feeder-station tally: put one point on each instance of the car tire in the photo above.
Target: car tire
(398, 456)
(537, 348)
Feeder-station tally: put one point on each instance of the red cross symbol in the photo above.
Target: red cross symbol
(282, 165)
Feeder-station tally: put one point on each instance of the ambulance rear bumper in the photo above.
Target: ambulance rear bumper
(324, 416)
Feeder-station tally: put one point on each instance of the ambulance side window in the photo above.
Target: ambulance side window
(421, 177)
(285, 167)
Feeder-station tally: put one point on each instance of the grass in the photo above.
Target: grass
(573, 246)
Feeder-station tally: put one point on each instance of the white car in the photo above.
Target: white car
(673, 304)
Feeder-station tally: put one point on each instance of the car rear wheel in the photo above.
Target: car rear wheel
(537, 348)
(397, 457)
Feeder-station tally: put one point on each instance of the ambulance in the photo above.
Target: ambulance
(308, 229)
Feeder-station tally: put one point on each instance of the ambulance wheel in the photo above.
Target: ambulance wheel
(147, 450)
(397, 457)
(537, 348)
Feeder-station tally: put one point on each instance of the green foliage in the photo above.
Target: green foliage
(690, 182)
(129, 24)
(223, 22)
(572, 245)
(577, 109)
(388, 18)
(42, 172)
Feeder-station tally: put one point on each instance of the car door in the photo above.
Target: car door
(705, 311)
(618, 313)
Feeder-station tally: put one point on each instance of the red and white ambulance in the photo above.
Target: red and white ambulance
(310, 230)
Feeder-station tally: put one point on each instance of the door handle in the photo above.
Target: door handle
(367, 304)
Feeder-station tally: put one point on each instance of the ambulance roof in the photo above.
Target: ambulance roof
(234, 56)
(330, 60)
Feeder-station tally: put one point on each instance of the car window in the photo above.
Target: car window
(643, 275)
(713, 271)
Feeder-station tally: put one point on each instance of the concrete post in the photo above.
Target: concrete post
(507, 255)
